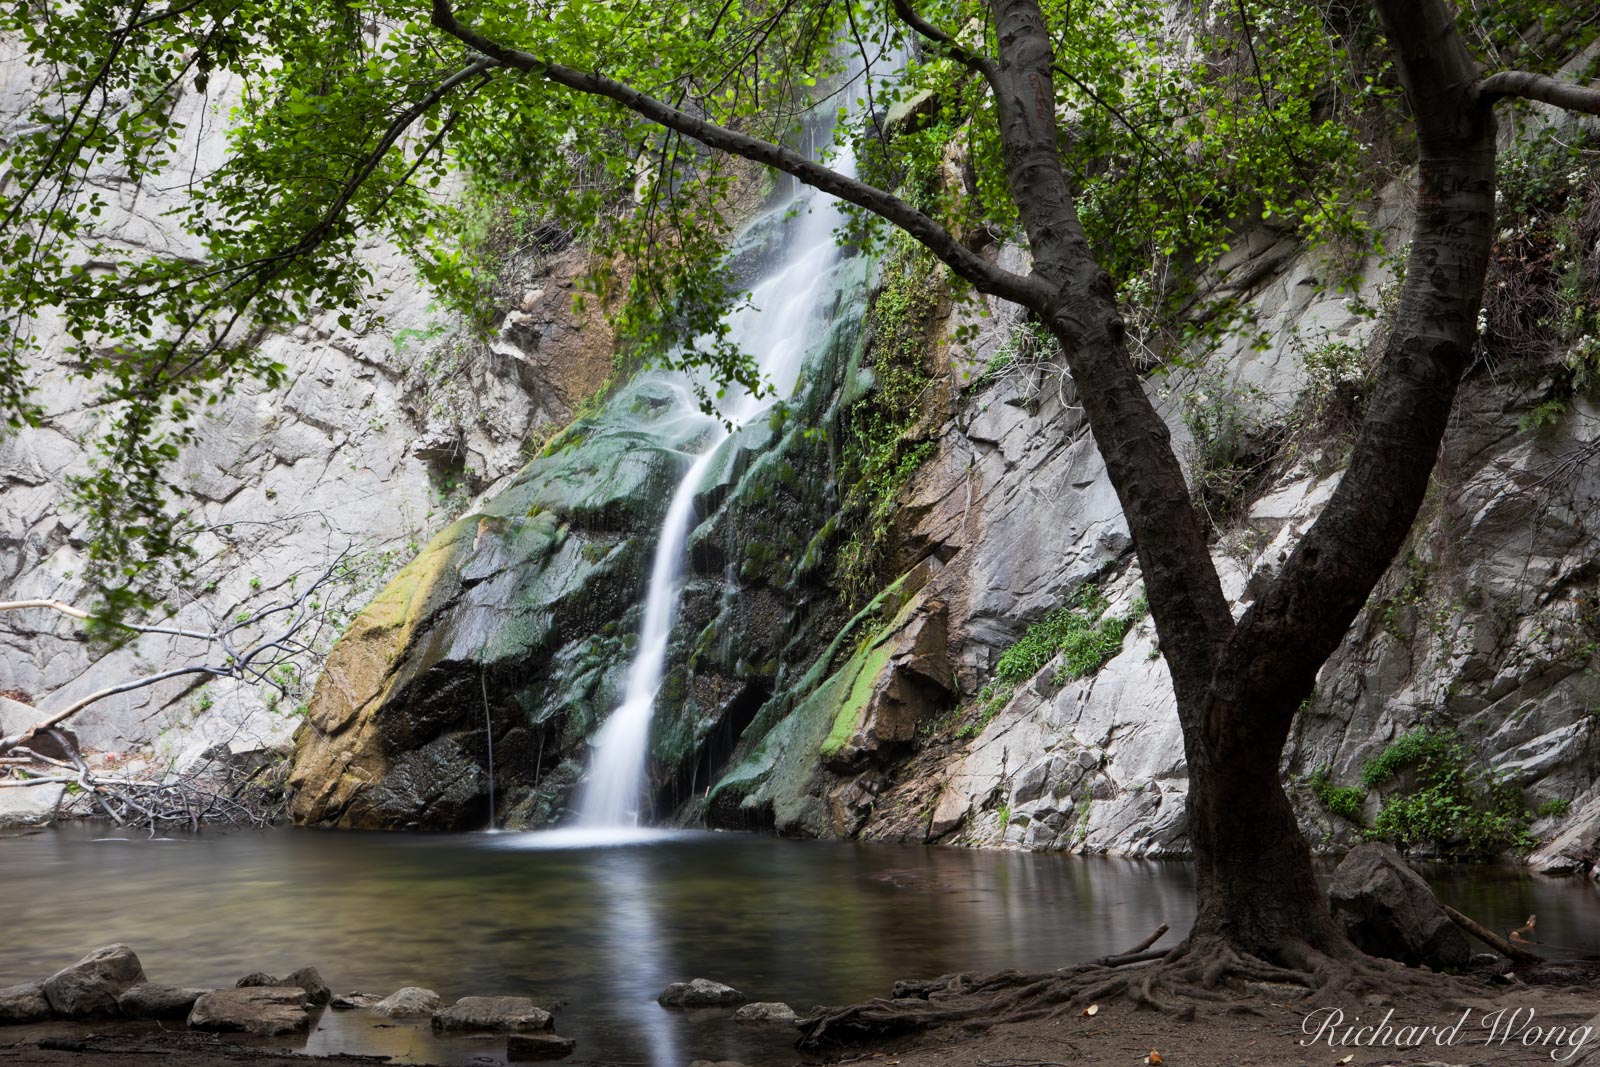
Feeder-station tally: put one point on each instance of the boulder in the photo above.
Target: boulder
(308, 979)
(256, 978)
(412, 1000)
(766, 1012)
(150, 1001)
(700, 993)
(1387, 909)
(538, 1047)
(90, 986)
(492, 1013)
(354, 999)
(24, 1004)
(263, 1010)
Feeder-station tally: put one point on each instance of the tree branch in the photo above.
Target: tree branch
(1540, 87)
(983, 275)
(946, 41)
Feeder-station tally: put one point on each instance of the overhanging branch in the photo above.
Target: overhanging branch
(1541, 87)
(984, 276)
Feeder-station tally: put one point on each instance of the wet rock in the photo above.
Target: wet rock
(492, 1013)
(354, 999)
(310, 980)
(24, 1004)
(150, 1001)
(716, 1063)
(263, 1010)
(412, 1000)
(538, 1047)
(700, 993)
(90, 986)
(1388, 910)
(256, 978)
(766, 1012)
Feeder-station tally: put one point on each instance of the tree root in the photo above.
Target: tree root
(1210, 974)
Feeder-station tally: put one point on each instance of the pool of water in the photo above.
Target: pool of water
(604, 929)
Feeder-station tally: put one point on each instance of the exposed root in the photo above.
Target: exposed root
(1206, 974)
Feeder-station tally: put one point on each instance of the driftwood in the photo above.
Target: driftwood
(1490, 938)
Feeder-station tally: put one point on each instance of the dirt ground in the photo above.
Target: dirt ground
(182, 1049)
(1276, 1035)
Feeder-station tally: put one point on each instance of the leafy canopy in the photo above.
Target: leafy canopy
(354, 121)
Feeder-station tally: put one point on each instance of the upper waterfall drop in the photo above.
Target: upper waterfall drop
(774, 327)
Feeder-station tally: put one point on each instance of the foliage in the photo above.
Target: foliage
(1083, 636)
(880, 451)
(1452, 806)
(1232, 444)
(1345, 801)
(1554, 808)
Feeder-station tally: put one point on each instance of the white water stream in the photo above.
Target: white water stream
(783, 318)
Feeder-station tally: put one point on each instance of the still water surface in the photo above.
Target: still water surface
(605, 929)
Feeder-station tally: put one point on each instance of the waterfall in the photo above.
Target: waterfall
(776, 327)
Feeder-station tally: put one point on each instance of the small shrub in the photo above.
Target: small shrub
(1554, 809)
(1342, 800)
(1083, 636)
(1457, 808)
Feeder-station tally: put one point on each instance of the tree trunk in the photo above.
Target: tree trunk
(1256, 890)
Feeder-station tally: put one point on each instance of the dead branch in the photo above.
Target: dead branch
(243, 649)
(1490, 938)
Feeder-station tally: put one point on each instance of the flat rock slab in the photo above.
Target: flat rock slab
(700, 993)
(493, 1013)
(766, 1012)
(406, 1002)
(91, 986)
(521, 1047)
(150, 1001)
(24, 1004)
(263, 1010)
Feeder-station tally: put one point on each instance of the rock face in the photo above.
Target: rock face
(150, 1001)
(493, 1013)
(91, 986)
(378, 438)
(1388, 910)
(700, 993)
(263, 1010)
(24, 1004)
(408, 1002)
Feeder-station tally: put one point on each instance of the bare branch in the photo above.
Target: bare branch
(985, 276)
(946, 42)
(1540, 87)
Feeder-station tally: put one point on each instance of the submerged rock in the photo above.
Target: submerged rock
(354, 999)
(24, 1004)
(700, 993)
(150, 1001)
(263, 1010)
(492, 1013)
(91, 986)
(538, 1047)
(1387, 909)
(766, 1012)
(412, 1000)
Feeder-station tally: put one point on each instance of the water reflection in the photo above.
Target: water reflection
(605, 928)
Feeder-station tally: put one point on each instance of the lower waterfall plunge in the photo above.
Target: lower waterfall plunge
(776, 326)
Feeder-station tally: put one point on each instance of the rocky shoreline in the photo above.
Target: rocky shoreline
(107, 990)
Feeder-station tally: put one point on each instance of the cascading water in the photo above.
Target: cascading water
(776, 326)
